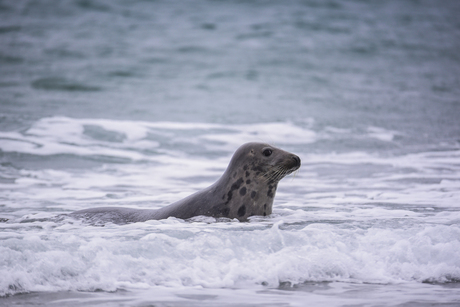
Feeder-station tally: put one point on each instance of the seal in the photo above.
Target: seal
(246, 188)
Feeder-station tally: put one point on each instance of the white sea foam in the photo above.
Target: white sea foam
(352, 217)
(175, 254)
(381, 134)
(63, 135)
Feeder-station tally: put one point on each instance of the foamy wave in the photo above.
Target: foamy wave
(128, 139)
(173, 253)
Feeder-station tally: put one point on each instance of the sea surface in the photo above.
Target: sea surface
(141, 103)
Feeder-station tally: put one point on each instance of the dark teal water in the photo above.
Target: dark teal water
(141, 103)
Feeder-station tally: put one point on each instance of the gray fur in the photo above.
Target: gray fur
(246, 188)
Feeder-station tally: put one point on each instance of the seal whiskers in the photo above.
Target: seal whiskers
(278, 173)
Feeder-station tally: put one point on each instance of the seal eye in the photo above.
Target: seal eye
(267, 152)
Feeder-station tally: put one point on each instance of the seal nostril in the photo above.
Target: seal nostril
(297, 160)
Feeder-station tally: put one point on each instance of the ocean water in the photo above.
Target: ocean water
(141, 103)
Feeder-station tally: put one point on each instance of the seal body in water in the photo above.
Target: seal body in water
(246, 188)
